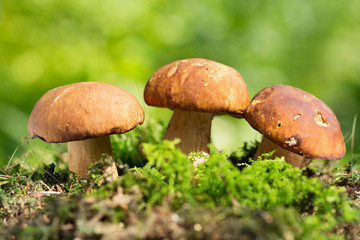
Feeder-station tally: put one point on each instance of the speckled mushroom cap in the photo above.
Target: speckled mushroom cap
(84, 110)
(296, 121)
(198, 85)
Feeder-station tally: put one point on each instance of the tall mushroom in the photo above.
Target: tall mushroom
(196, 89)
(84, 115)
(295, 124)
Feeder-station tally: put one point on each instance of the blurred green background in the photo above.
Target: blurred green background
(313, 45)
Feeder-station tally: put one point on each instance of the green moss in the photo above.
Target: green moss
(165, 196)
(265, 185)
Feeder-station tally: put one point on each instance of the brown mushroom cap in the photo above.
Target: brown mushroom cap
(197, 85)
(296, 121)
(84, 110)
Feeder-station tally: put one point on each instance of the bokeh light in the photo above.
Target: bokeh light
(310, 45)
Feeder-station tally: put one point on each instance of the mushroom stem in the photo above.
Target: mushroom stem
(193, 128)
(294, 159)
(86, 152)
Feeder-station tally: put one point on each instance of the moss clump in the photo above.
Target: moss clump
(265, 185)
(164, 196)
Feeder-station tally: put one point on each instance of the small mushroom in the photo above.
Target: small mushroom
(295, 124)
(196, 89)
(84, 115)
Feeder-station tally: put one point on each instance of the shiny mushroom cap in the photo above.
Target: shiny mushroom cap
(296, 121)
(197, 85)
(84, 110)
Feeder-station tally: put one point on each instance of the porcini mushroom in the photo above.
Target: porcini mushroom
(84, 115)
(295, 124)
(196, 89)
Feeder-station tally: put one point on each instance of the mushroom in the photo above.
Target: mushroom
(196, 89)
(84, 115)
(295, 124)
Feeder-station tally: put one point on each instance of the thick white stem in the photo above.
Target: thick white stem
(86, 152)
(294, 159)
(193, 128)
